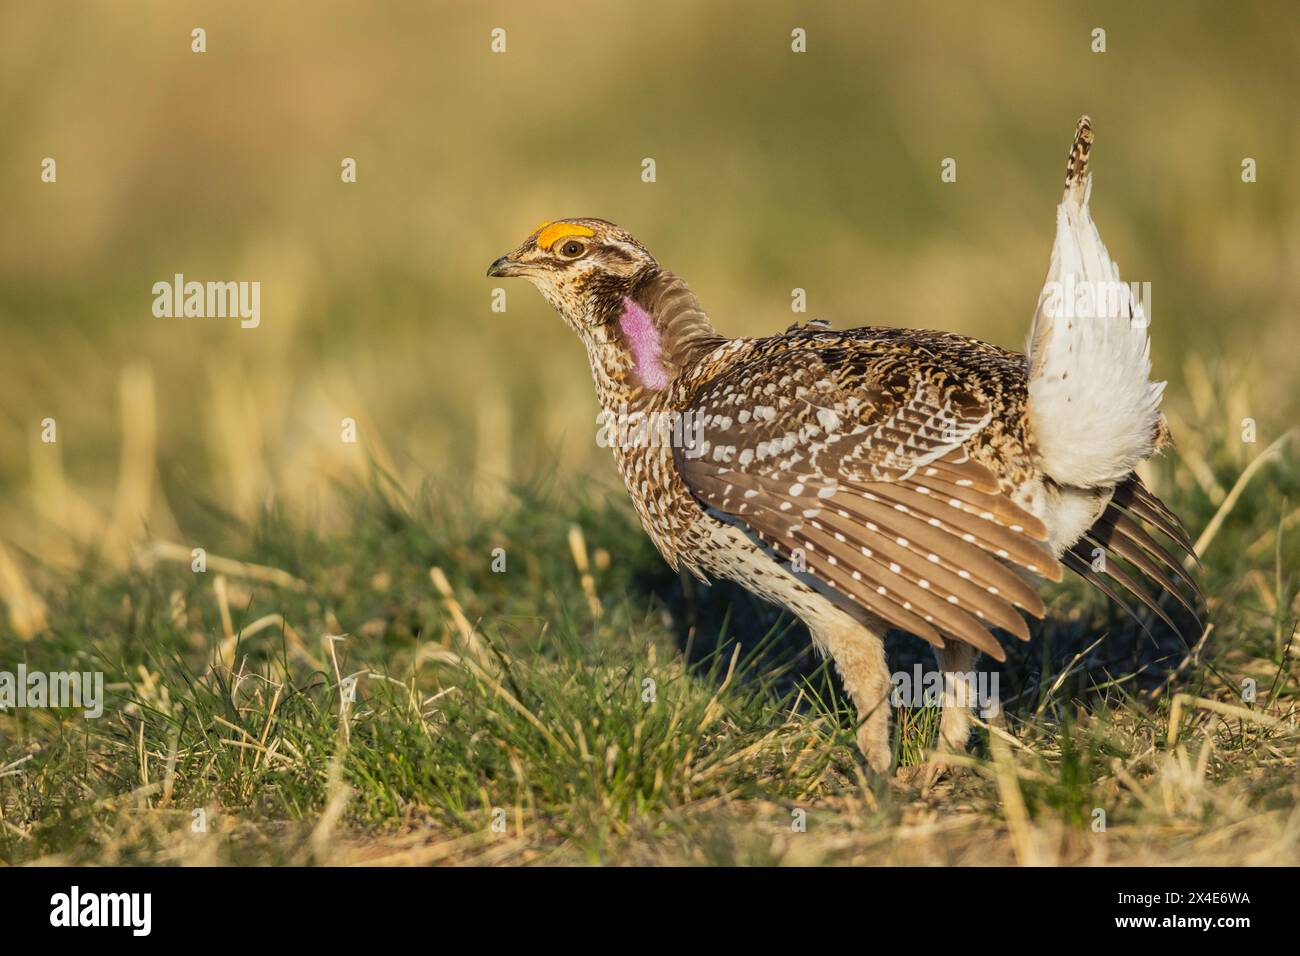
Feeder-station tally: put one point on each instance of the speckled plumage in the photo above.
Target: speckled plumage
(866, 478)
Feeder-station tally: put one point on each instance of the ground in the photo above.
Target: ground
(402, 692)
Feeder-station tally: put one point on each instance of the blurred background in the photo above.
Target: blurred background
(775, 170)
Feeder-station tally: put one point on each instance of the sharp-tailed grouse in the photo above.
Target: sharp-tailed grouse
(881, 477)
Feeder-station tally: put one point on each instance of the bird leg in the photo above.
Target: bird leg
(859, 656)
(957, 662)
(957, 665)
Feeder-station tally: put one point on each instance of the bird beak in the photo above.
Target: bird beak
(505, 266)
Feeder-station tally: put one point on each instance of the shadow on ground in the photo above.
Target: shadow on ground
(709, 620)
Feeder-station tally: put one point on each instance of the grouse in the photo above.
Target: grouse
(883, 477)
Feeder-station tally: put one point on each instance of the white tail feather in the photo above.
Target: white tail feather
(1093, 410)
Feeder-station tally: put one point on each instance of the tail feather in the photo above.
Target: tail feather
(1093, 410)
(1076, 168)
(1122, 539)
(1135, 496)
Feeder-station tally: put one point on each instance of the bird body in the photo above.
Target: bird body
(877, 477)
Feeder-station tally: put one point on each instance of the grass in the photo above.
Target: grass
(384, 695)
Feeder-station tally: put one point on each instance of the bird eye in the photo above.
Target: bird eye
(572, 249)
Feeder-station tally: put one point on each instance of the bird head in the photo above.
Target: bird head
(584, 268)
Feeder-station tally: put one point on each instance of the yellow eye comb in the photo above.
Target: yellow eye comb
(550, 232)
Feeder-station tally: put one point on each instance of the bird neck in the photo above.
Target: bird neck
(645, 337)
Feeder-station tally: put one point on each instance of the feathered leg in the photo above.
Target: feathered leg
(957, 662)
(859, 656)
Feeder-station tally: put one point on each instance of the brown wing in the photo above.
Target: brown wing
(1135, 560)
(855, 469)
